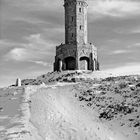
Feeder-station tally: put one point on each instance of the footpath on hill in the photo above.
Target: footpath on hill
(58, 116)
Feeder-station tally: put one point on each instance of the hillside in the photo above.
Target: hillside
(72, 106)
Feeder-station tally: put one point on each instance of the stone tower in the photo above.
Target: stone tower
(76, 53)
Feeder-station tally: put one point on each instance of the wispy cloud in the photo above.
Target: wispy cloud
(135, 45)
(128, 68)
(119, 52)
(113, 40)
(132, 30)
(135, 31)
(33, 4)
(115, 8)
(41, 63)
(36, 49)
(18, 54)
(6, 44)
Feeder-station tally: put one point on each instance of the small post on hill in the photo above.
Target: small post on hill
(18, 82)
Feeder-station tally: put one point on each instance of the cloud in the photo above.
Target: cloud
(119, 52)
(132, 30)
(27, 8)
(7, 44)
(35, 50)
(4, 43)
(129, 68)
(136, 45)
(32, 4)
(41, 63)
(113, 40)
(18, 54)
(135, 31)
(115, 8)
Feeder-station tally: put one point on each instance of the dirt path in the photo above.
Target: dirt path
(58, 116)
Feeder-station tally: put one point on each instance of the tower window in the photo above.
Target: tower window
(72, 19)
(80, 10)
(72, 34)
(80, 27)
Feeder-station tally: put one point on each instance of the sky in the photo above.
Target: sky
(31, 29)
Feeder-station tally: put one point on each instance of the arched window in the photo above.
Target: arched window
(72, 35)
(80, 27)
(80, 10)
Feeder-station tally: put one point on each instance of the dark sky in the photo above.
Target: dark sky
(30, 30)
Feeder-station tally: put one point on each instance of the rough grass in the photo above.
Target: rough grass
(113, 98)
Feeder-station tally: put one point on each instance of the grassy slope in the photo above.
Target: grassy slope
(117, 101)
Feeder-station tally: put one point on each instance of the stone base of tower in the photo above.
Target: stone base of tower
(75, 57)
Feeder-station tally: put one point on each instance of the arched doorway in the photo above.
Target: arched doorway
(70, 63)
(84, 63)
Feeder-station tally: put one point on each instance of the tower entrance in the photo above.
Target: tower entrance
(70, 63)
(84, 63)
